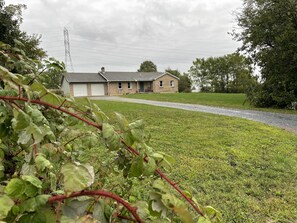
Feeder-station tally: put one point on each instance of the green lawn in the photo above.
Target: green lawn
(245, 169)
(212, 99)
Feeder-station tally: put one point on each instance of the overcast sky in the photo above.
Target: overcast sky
(120, 34)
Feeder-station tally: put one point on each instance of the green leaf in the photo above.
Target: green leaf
(159, 185)
(33, 218)
(112, 139)
(28, 169)
(77, 176)
(178, 207)
(30, 190)
(75, 208)
(21, 120)
(157, 204)
(98, 212)
(15, 188)
(42, 163)
(150, 167)
(24, 137)
(32, 180)
(39, 88)
(6, 203)
(128, 138)
(122, 121)
(52, 98)
(137, 130)
(136, 168)
(34, 203)
(212, 214)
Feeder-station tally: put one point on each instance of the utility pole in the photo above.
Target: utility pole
(68, 61)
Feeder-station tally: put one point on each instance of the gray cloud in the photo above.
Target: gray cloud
(121, 34)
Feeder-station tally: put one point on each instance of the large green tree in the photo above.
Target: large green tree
(229, 73)
(268, 30)
(10, 32)
(147, 66)
(184, 83)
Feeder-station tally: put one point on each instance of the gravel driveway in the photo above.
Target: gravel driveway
(285, 121)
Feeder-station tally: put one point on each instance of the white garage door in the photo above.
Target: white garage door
(80, 90)
(97, 89)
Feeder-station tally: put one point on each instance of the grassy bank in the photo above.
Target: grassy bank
(245, 169)
(211, 99)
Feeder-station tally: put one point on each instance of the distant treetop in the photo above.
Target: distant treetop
(147, 66)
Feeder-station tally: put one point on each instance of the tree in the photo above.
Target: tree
(184, 83)
(268, 30)
(230, 73)
(10, 21)
(147, 66)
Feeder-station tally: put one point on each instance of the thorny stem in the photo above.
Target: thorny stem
(98, 126)
(101, 193)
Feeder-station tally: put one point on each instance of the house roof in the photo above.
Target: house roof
(131, 76)
(113, 77)
(84, 78)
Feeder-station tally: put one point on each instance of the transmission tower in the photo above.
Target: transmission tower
(68, 61)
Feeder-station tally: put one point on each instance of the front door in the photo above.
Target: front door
(141, 86)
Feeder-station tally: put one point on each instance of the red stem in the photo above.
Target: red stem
(101, 193)
(98, 126)
(11, 98)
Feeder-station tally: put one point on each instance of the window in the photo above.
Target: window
(171, 83)
(129, 85)
(120, 85)
(161, 83)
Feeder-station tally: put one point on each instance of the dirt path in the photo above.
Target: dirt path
(285, 121)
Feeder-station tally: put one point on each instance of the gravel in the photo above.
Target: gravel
(284, 121)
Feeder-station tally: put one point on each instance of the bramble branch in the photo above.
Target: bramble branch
(101, 193)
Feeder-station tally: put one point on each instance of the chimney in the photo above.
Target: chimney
(103, 70)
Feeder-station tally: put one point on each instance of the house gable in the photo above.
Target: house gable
(166, 73)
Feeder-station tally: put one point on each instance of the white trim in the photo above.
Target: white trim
(171, 81)
(103, 76)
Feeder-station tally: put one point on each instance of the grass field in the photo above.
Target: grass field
(245, 169)
(212, 99)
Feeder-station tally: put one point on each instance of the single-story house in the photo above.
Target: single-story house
(118, 83)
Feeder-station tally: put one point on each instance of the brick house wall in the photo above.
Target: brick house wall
(113, 88)
(166, 87)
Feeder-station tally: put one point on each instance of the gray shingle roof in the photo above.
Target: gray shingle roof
(112, 77)
(131, 76)
(84, 78)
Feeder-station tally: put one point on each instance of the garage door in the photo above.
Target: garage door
(97, 89)
(80, 90)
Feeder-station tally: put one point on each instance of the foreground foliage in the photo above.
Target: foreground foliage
(44, 178)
